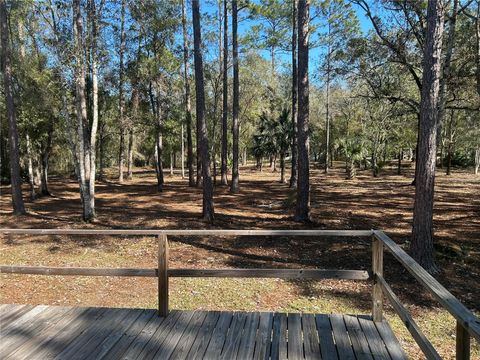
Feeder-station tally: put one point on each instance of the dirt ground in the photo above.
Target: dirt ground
(385, 202)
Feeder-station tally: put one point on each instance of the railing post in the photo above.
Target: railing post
(162, 275)
(377, 269)
(463, 343)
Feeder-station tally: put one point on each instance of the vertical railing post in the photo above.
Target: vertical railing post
(162, 275)
(377, 269)
(463, 343)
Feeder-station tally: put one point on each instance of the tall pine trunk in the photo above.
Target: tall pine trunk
(188, 106)
(82, 148)
(302, 210)
(224, 180)
(94, 126)
(15, 179)
(422, 233)
(121, 148)
(235, 186)
(294, 169)
(207, 208)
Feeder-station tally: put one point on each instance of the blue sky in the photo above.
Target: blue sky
(211, 8)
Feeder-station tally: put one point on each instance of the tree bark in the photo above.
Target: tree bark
(188, 106)
(94, 126)
(294, 169)
(224, 180)
(477, 160)
(422, 232)
(183, 152)
(31, 177)
(121, 149)
(235, 186)
(83, 151)
(302, 210)
(445, 78)
(327, 107)
(15, 179)
(207, 206)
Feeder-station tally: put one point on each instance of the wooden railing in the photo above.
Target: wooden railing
(467, 324)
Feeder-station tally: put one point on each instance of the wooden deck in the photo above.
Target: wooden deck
(54, 332)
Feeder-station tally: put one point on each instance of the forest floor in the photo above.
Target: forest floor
(385, 202)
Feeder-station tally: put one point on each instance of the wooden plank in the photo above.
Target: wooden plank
(422, 341)
(168, 345)
(202, 340)
(279, 337)
(342, 340)
(273, 273)
(78, 347)
(247, 344)
(106, 338)
(377, 347)
(130, 335)
(12, 312)
(143, 343)
(264, 337)
(377, 270)
(294, 336)
(153, 232)
(226, 273)
(325, 337)
(61, 339)
(24, 331)
(29, 349)
(310, 337)
(357, 338)
(468, 320)
(391, 342)
(77, 271)
(232, 340)
(189, 335)
(163, 332)
(215, 346)
(163, 275)
(25, 334)
(26, 314)
(462, 343)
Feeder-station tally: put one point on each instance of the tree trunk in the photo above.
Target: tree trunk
(188, 106)
(422, 233)
(327, 107)
(121, 149)
(445, 77)
(399, 167)
(171, 163)
(235, 186)
(282, 167)
(477, 160)
(158, 160)
(94, 125)
(15, 179)
(294, 169)
(224, 180)
(302, 210)
(207, 208)
(183, 153)
(31, 177)
(83, 151)
(44, 161)
(130, 155)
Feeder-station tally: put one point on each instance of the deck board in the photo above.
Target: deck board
(54, 332)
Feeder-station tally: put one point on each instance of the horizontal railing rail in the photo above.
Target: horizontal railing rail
(468, 325)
